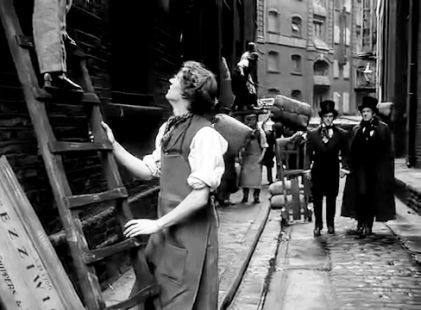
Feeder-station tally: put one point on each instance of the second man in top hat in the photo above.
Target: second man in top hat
(324, 145)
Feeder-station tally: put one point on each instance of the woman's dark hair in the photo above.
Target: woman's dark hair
(198, 85)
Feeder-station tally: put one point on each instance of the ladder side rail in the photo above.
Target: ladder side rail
(53, 164)
(144, 279)
(123, 211)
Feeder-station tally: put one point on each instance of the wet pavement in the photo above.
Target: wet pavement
(342, 271)
(240, 230)
(254, 284)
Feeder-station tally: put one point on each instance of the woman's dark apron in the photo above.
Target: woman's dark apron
(184, 256)
(251, 169)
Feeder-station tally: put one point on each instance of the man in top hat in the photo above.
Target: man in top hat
(324, 145)
(369, 187)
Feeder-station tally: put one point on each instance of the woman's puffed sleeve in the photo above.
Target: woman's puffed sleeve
(206, 159)
(263, 140)
(153, 160)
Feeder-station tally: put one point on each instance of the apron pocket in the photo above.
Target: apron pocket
(172, 263)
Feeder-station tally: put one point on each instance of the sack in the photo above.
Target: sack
(277, 188)
(234, 131)
(290, 112)
(278, 201)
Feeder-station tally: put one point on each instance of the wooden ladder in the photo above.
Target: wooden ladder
(68, 204)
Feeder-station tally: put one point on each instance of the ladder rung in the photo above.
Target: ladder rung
(68, 97)
(65, 147)
(78, 201)
(98, 254)
(139, 297)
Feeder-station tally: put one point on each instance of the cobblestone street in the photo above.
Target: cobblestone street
(338, 271)
(344, 272)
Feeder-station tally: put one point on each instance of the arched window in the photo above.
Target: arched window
(321, 67)
(296, 63)
(273, 61)
(296, 26)
(297, 94)
(273, 21)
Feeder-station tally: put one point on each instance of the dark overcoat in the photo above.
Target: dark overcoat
(324, 158)
(384, 174)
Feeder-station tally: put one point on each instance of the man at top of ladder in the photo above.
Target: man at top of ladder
(49, 28)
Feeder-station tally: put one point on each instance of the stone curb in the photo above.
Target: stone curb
(254, 233)
(255, 283)
(412, 243)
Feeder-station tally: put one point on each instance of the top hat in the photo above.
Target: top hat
(368, 102)
(327, 106)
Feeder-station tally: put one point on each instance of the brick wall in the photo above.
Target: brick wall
(87, 24)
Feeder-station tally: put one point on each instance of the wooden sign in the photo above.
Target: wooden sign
(31, 275)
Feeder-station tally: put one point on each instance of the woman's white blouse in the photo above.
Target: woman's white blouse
(206, 158)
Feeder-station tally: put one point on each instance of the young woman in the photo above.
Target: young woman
(188, 159)
(251, 160)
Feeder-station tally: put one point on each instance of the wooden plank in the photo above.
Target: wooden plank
(78, 201)
(98, 254)
(54, 166)
(57, 147)
(31, 273)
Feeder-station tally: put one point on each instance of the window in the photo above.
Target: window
(347, 6)
(321, 67)
(347, 36)
(367, 27)
(273, 21)
(319, 31)
(296, 26)
(337, 98)
(338, 5)
(273, 62)
(297, 94)
(319, 3)
(345, 102)
(335, 69)
(358, 39)
(296, 63)
(337, 29)
(346, 70)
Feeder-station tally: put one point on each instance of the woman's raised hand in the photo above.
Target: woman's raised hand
(109, 133)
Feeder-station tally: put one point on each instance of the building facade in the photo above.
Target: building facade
(399, 43)
(310, 51)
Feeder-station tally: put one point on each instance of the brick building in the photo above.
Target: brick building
(309, 51)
